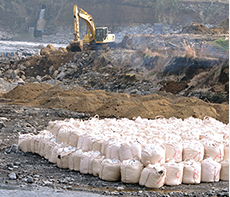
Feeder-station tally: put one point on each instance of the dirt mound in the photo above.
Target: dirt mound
(28, 92)
(109, 104)
(196, 28)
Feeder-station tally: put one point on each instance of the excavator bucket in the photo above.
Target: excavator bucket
(75, 46)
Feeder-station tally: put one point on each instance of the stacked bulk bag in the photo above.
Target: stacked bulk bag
(54, 153)
(191, 172)
(96, 164)
(71, 159)
(112, 151)
(213, 149)
(77, 159)
(153, 176)
(48, 147)
(64, 133)
(174, 173)
(152, 154)
(210, 170)
(73, 138)
(130, 150)
(125, 152)
(63, 157)
(86, 162)
(34, 143)
(173, 150)
(43, 141)
(193, 150)
(131, 171)
(54, 126)
(224, 173)
(110, 170)
(136, 148)
(24, 142)
(97, 143)
(85, 142)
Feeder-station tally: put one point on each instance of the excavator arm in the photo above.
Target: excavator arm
(76, 23)
(91, 25)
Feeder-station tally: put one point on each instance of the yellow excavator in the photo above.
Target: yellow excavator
(96, 38)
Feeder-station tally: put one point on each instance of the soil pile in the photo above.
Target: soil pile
(196, 28)
(109, 104)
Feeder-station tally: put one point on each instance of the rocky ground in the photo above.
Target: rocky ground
(140, 77)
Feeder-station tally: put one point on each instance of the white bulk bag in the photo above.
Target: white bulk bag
(63, 158)
(84, 142)
(63, 134)
(130, 150)
(71, 159)
(77, 160)
(136, 150)
(48, 147)
(106, 142)
(96, 144)
(42, 145)
(153, 176)
(174, 173)
(46, 136)
(173, 151)
(110, 170)
(193, 150)
(210, 170)
(54, 154)
(214, 150)
(87, 144)
(131, 171)
(73, 138)
(104, 145)
(152, 154)
(125, 152)
(36, 140)
(224, 173)
(86, 162)
(96, 164)
(54, 126)
(24, 142)
(112, 151)
(191, 172)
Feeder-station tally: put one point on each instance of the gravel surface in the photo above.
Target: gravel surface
(23, 170)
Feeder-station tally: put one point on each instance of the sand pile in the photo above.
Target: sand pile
(109, 104)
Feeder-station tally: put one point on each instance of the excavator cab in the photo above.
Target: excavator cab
(101, 33)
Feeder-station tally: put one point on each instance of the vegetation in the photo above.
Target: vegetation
(222, 43)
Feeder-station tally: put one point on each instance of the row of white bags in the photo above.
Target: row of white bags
(149, 154)
(128, 171)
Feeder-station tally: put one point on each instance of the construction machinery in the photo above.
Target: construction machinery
(96, 38)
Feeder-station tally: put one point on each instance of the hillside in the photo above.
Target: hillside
(18, 16)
